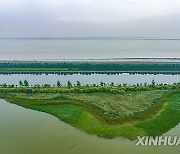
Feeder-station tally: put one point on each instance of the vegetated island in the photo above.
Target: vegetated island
(88, 66)
(107, 111)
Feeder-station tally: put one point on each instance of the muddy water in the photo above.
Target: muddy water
(23, 131)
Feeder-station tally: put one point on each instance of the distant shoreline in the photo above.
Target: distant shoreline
(126, 59)
(88, 38)
(89, 66)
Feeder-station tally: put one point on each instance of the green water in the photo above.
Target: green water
(23, 131)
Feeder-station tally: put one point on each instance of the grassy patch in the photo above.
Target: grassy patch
(120, 105)
(167, 119)
(162, 111)
(66, 112)
(115, 106)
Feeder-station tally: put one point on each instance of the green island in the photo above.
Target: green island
(87, 67)
(107, 111)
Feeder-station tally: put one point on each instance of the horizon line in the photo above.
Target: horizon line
(96, 59)
(92, 38)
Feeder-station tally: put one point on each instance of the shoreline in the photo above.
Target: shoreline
(84, 72)
(123, 59)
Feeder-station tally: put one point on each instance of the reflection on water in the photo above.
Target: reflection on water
(90, 79)
(23, 131)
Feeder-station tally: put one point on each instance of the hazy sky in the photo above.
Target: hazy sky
(141, 18)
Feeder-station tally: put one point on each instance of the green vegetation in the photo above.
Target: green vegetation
(113, 106)
(168, 118)
(59, 84)
(104, 110)
(78, 88)
(118, 106)
(23, 69)
(73, 67)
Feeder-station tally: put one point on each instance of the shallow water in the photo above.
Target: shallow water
(23, 131)
(90, 79)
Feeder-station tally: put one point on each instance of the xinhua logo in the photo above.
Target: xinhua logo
(158, 140)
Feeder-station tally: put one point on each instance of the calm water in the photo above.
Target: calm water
(23, 131)
(90, 79)
(87, 48)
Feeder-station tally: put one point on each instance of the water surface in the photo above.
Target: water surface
(54, 48)
(89, 79)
